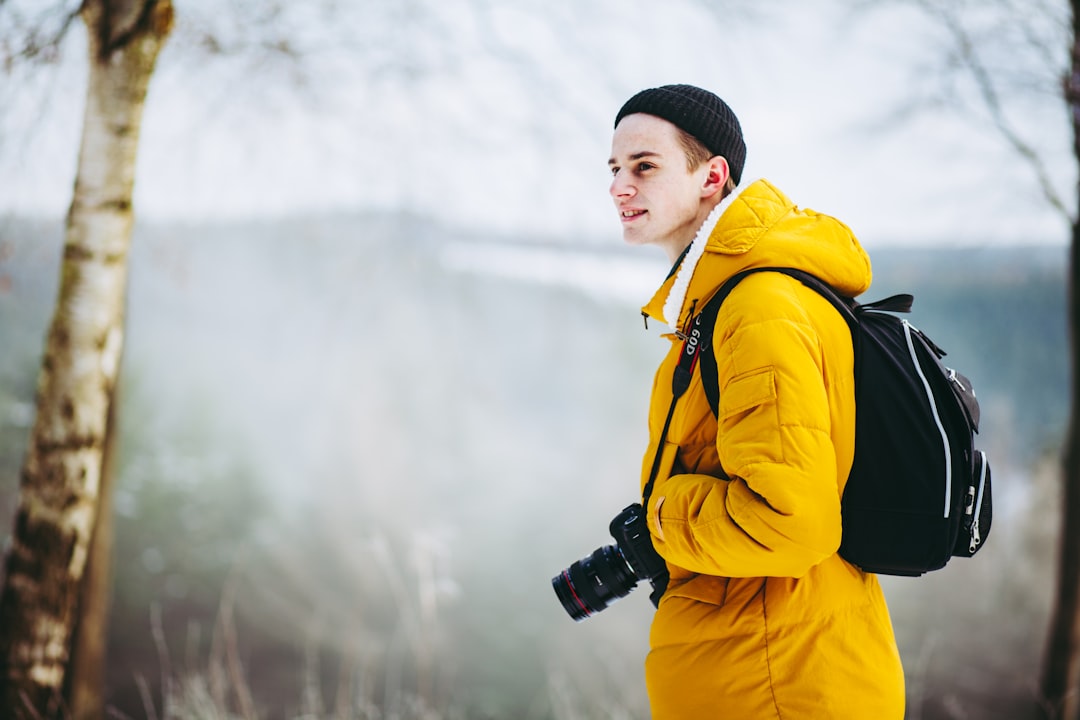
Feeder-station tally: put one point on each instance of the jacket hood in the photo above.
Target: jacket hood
(758, 226)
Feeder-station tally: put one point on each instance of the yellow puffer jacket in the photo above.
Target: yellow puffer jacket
(762, 618)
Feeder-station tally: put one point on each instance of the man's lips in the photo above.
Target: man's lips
(630, 214)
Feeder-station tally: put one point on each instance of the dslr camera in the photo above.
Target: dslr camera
(611, 572)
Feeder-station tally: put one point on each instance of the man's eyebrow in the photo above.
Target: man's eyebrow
(637, 156)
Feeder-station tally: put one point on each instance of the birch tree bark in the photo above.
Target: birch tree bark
(60, 480)
(84, 681)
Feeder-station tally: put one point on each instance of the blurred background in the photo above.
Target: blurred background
(385, 373)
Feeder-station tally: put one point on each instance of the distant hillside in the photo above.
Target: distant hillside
(998, 312)
(318, 390)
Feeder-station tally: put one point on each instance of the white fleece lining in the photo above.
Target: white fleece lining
(673, 304)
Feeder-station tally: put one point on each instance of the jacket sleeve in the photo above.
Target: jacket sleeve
(779, 514)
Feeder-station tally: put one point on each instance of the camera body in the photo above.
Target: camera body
(612, 571)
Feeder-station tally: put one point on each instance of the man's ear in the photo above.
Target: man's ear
(716, 177)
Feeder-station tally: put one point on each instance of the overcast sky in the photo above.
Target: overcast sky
(513, 133)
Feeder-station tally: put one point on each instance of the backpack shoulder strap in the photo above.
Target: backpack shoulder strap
(848, 308)
(710, 379)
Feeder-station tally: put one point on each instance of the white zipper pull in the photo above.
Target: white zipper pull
(976, 537)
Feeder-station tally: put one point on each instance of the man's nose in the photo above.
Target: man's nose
(620, 187)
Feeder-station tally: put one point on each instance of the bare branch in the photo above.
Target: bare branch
(1027, 62)
(37, 39)
(969, 59)
(1037, 44)
(123, 22)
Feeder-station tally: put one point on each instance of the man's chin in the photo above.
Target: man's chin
(634, 236)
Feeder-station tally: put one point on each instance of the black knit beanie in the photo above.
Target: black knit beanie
(698, 112)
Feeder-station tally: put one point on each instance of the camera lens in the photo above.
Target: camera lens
(593, 583)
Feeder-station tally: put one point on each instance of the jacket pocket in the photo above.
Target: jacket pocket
(750, 421)
(707, 589)
(747, 392)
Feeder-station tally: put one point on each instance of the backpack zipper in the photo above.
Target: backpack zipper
(976, 537)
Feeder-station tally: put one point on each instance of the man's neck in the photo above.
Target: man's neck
(676, 252)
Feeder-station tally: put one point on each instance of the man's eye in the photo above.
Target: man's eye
(614, 170)
(642, 167)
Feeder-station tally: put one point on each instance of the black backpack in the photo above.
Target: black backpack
(919, 491)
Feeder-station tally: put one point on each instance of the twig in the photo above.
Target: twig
(225, 635)
(232, 655)
(157, 632)
(984, 83)
(37, 43)
(346, 680)
(147, 700)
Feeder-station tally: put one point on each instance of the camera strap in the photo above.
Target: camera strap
(680, 380)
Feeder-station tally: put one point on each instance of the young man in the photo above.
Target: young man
(761, 617)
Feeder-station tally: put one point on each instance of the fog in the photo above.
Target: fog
(356, 449)
(385, 373)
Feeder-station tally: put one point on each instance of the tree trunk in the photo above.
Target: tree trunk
(85, 678)
(60, 480)
(1061, 667)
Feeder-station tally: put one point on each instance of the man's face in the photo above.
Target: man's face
(658, 199)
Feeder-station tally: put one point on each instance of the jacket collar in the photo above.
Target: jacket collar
(758, 226)
(666, 304)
